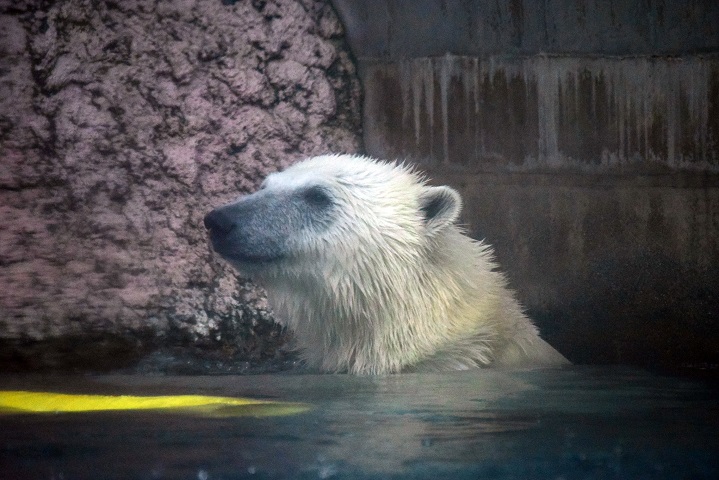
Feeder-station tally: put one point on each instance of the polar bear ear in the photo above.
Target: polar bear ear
(440, 206)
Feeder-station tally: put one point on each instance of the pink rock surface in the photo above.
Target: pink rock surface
(122, 123)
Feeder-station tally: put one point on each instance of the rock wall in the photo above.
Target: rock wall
(121, 124)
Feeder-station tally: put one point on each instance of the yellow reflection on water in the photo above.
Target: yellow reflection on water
(49, 402)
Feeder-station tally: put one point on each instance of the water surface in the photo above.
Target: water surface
(570, 423)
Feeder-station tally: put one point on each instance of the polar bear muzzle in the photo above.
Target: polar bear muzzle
(263, 227)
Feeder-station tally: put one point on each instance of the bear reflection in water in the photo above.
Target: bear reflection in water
(362, 260)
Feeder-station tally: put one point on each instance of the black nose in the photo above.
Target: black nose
(218, 222)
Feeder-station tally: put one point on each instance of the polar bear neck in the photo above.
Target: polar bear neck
(384, 318)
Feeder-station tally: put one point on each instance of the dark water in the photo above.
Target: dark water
(561, 424)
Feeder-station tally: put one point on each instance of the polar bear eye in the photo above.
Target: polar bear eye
(317, 196)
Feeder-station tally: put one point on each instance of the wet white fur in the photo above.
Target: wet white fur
(383, 291)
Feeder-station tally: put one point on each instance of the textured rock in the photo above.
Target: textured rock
(121, 124)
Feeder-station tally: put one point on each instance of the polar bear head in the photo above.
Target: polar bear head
(340, 218)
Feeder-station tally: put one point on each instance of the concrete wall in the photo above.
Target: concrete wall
(584, 136)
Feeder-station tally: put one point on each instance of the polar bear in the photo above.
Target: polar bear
(362, 260)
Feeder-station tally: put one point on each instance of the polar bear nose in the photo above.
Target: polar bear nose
(218, 222)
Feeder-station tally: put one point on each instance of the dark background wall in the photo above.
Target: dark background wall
(584, 137)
